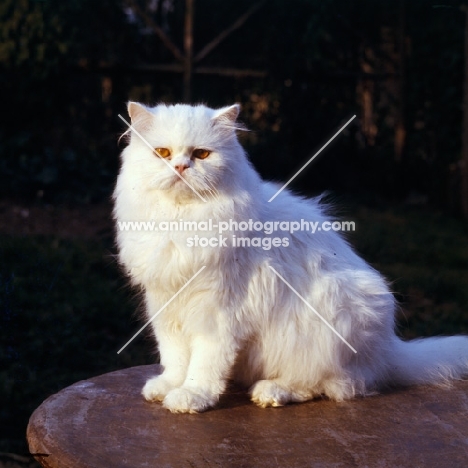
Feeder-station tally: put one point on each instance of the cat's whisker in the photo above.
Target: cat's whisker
(211, 188)
(214, 191)
(205, 187)
(210, 183)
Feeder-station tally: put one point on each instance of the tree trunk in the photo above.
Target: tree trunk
(188, 50)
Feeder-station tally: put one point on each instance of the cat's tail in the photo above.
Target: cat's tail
(428, 361)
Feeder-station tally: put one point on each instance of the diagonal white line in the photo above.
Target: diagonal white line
(152, 149)
(161, 309)
(312, 309)
(311, 159)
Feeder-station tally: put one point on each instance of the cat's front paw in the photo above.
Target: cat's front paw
(268, 393)
(156, 388)
(185, 400)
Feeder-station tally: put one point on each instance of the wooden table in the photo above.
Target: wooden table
(104, 422)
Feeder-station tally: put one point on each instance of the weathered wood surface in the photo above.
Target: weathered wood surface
(105, 423)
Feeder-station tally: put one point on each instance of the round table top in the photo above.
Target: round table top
(104, 422)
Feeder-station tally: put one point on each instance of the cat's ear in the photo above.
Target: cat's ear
(227, 116)
(140, 115)
(229, 113)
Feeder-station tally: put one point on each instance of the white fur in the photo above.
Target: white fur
(237, 319)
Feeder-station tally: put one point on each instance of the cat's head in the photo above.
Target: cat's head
(185, 151)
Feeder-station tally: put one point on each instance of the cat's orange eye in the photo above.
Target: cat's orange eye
(200, 153)
(163, 152)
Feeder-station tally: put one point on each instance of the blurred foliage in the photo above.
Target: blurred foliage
(67, 69)
(54, 136)
(64, 313)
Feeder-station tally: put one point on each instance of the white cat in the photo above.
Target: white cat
(237, 318)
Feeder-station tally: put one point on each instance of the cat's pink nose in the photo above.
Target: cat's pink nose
(181, 167)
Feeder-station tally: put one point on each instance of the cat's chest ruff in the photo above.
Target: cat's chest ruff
(150, 256)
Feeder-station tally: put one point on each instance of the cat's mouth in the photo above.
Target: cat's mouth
(187, 184)
(181, 182)
(177, 180)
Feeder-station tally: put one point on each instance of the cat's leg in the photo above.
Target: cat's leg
(212, 357)
(174, 354)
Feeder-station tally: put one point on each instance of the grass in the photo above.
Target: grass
(65, 310)
(425, 257)
(64, 313)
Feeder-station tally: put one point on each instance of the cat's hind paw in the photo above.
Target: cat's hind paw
(266, 393)
(156, 389)
(185, 400)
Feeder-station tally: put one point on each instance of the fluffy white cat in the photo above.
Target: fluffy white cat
(238, 319)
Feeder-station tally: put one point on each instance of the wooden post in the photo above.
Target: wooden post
(400, 127)
(185, 59)
(188, 50)
(464, 156)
